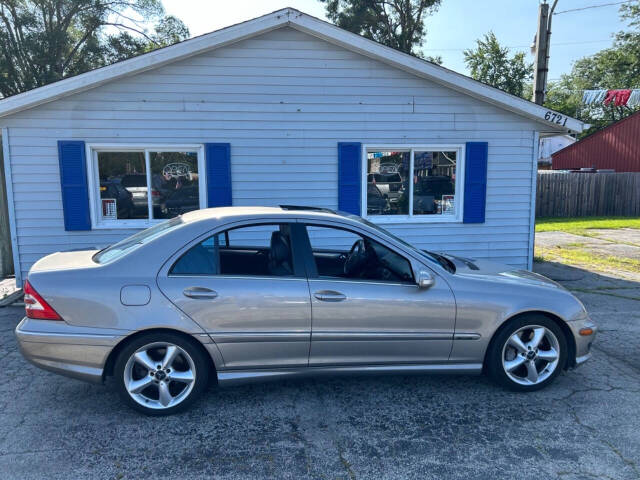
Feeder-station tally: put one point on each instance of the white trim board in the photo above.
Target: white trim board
(11, 207)
(534, 194)
(312, 26)
(411, 218)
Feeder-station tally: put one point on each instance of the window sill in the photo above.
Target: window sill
(418, 219)
(125, 225)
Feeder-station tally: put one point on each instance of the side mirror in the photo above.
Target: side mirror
(425, 279)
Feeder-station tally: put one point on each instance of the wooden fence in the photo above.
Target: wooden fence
(588, 194)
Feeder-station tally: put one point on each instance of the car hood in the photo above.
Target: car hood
(498, 272)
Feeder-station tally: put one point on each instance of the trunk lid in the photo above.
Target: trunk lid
(65, 261)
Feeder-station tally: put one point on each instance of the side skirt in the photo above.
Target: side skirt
(239, 377)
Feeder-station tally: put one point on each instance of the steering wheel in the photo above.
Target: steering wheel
(355, 258)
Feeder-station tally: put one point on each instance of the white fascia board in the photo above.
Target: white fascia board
(143, 62)
(431, 71)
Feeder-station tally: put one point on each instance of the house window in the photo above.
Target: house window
(414, 182)
(137, 186)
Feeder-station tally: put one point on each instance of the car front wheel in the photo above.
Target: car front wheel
(161, 373)
(528, 353)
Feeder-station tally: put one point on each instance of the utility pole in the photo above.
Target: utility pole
(542, 43)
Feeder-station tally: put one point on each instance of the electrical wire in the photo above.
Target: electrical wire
(592, 6)
(521, 46)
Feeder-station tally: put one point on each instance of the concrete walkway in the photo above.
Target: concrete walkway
(8, 291)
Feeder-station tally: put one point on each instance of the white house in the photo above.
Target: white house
(282, 109)
(550, 145)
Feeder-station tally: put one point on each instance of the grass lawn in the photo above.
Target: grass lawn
(579, 226)
(578, 253)
(581, 257)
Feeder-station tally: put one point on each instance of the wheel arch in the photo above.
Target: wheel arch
(109, 365)
(571, 341)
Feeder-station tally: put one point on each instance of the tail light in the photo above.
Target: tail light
(155, 193)
(35, 306)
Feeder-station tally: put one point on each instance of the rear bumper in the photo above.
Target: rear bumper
(65, 349)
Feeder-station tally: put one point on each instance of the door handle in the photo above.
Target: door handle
(329, 296)
(199, 293)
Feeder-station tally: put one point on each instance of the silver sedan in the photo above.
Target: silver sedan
(242, 294)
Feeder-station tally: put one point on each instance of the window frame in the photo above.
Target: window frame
(460, 150)
(92, 150)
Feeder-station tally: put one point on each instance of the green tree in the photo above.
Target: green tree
(490, 63)
(398, 24)
(612, 68)
(42, 41)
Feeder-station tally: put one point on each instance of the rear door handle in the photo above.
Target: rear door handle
(329, 296)
(200, 293)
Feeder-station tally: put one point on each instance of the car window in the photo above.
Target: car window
(131, 243)
(256, 250)
(347, 255)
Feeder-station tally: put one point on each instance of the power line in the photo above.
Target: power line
(593, 6)
(520, 46)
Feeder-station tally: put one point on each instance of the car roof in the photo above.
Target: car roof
(238, 213)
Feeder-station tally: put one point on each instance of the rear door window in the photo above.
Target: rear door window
(255, 250)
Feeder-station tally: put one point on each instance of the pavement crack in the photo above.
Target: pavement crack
(345, 463)
(603, 441)
(614, 449)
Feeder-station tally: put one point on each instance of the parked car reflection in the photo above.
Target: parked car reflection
(124, 198)
(428, 193)
(180, 201)
(377, 203)
(137, 184)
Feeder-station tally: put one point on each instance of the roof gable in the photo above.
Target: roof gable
(550, 121)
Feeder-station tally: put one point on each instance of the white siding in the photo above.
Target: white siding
(283, 100)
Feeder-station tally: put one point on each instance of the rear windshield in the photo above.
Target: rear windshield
(134, 181)
(128, 245)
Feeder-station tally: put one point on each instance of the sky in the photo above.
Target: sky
(454, 27)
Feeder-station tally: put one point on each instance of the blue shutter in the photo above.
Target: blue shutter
(218, 156)
(349, 177)
(73, 180)
(475, 182)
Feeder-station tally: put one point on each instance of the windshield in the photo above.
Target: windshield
(129, 244)
(430, 256)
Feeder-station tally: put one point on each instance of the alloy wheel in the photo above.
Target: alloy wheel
(159, 375)
(531, 355)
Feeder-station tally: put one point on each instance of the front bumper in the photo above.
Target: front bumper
(583, 342)
(72, 351)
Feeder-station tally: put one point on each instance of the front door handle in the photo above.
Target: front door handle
(200, 293)
(329, 296)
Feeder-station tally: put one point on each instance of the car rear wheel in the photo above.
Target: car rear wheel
(161, 373)
(528, 354)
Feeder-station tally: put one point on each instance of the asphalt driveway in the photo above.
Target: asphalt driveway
(586, 425)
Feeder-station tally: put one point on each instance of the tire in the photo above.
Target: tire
(182, 378)
(510, 363)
